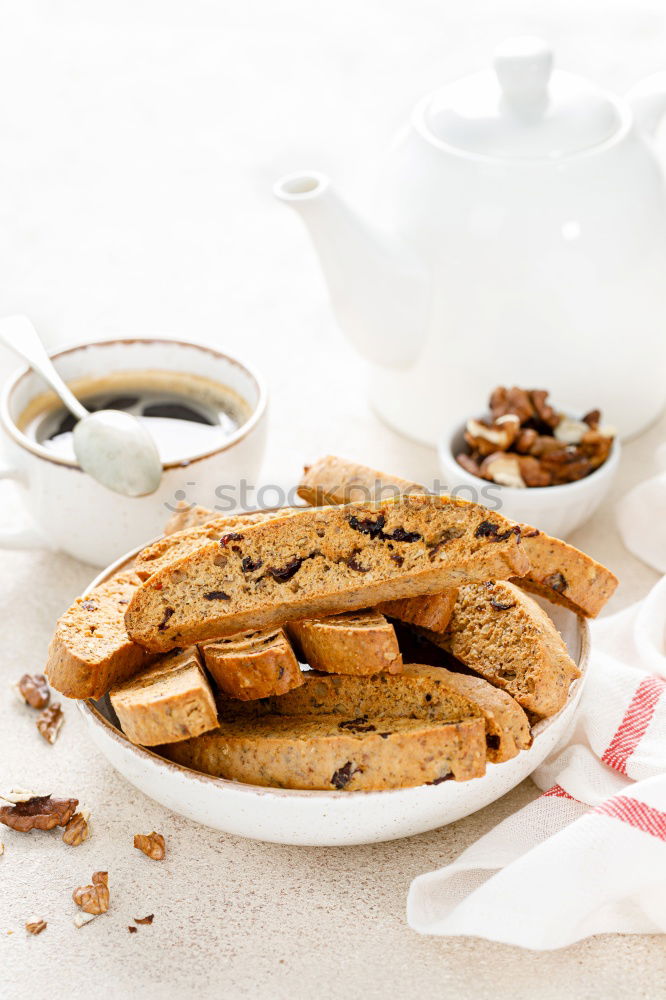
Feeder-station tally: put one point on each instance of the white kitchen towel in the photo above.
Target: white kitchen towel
(589, 855)
(641, 517)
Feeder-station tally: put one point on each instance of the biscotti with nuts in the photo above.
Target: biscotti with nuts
(180, 543)
(169, 701)
(356, 642)
(253, 664)
(557, 571)
(336, 753)
(419, 692)
(502, 634)
(322, 561)
(90, 650)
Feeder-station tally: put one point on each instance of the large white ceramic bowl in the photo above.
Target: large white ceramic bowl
(557, 510)
(323, 819)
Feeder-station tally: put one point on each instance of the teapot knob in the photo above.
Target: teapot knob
(523, 66)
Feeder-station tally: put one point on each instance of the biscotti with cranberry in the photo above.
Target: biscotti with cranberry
(180, 543)
(502, 634)
(336, 753)
(557, 571)
(253, 664)
(169, 701)
(357, 642)
(322, 561)
(418, 692)
(90, 650)
(565, 575)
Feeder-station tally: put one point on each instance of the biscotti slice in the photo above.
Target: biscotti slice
(178, 544)
(330, 753)
(169, 701)
(333, 480)
(185, 517)
(502, 634)
(253, 665)
(419, 692)
(319, 562)
(90, 650)
(352, 643)
(565, 575)
(433, 612)
(558, 571)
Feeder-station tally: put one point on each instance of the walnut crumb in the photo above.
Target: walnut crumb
(145, 920)
(35, 926)
(33, 689)
(78, 829)
(152, 845)
(93, 899)
(37, 812)
(131, 929)
(50, 721)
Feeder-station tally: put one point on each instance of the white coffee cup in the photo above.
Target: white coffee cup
(70, 512)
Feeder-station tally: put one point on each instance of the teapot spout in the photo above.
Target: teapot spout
(378, 291)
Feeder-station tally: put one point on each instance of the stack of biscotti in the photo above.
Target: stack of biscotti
(243, 593)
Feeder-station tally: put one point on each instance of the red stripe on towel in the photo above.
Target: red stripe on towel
(634, 725)
(636, 814)
(557, 792)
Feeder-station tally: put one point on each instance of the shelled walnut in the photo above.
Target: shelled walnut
(34, 690)
(526, 442)
(36, 812)
(153, 845)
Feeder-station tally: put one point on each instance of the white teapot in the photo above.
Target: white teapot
(522, 241)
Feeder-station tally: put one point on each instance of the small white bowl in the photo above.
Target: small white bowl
(323, 819)
(557, 510)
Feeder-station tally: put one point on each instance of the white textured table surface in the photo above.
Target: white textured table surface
(138, 142)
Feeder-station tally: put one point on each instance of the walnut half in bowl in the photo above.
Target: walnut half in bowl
(531, 461)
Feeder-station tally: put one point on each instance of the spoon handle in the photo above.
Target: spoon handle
(18, 333)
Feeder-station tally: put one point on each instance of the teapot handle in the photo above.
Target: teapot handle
(648, 102)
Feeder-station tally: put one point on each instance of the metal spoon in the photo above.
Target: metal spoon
(111, 446)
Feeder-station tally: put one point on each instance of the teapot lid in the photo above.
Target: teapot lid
(522, 108)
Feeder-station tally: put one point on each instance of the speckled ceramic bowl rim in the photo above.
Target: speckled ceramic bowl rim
(257, 411)
(93, 714)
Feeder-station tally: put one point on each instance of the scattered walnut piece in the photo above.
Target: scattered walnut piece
(49, 722)
(39, 812)
(35, 926)
(94, 899)
(145, 920)
(34, 690)
(77, 830)
(131, 929)
(152, 845)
